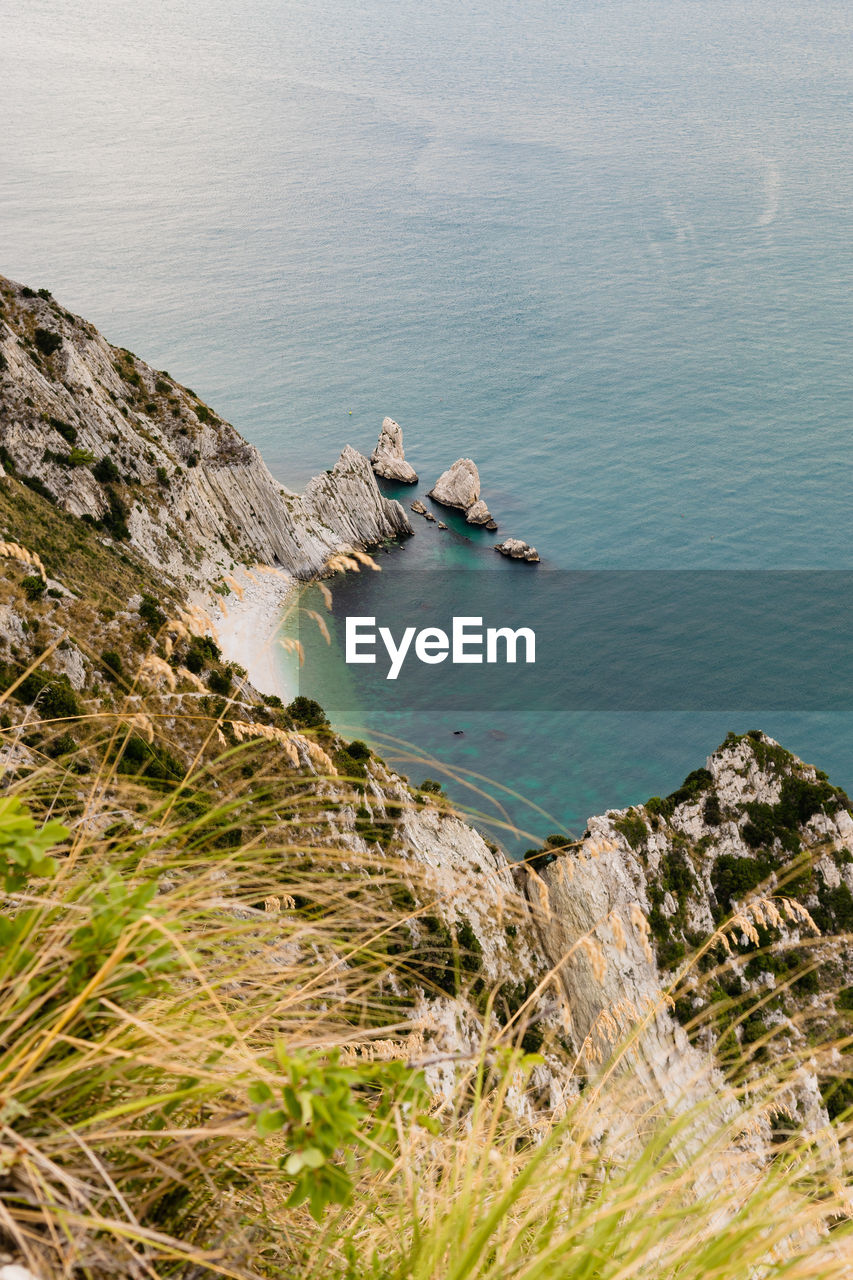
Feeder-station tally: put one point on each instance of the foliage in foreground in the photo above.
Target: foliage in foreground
(205, 1069)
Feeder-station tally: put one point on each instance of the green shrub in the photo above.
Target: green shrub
(835, 913)
(65, 429)
(676, 874)
(105, 471)
(80, 457)
(306, 713)
(53, 694)
(150, 612)
(24, 846)
(34, 585)
(633, 827)
(321, 1108)
(114, 520)
(220, 682)
(47, 341)
(201, 650)
(798, 801)
(63, 745)
(691, 788)
(148, 759)
(111, 665)
(732, 877)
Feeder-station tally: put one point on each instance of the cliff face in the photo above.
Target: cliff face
(752, 852)
(115, 442)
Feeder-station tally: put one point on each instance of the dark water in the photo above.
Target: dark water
(603, 248)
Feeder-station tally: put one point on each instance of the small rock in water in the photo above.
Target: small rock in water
(479, 513)
(457, 733)
(429, 516)
(491, 525)
(418, 507)
(459, 486)
(388, 458)
(517, 550)
(442, 525)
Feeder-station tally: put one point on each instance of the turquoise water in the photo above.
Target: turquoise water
(603, 248)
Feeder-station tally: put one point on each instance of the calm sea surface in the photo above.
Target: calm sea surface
(603, 248)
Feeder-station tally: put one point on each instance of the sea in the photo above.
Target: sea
(602, 247)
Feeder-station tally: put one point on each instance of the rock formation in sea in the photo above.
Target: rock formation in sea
(459, 486)
(125, 446)
(515, 549)
(388, 458)
(478, 513)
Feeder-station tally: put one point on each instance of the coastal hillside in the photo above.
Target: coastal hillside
(268, 1007)
(125, 448)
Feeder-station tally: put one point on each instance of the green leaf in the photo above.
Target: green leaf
(271, 1121)
(259, 1092)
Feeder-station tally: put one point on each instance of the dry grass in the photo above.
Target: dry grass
(134, 1023)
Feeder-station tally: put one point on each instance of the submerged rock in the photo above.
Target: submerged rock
(388, 458)
(515, 549)
(459, 486)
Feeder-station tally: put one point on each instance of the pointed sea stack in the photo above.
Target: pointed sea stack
(388, 458)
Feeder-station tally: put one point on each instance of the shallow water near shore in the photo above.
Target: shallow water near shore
(603, 249)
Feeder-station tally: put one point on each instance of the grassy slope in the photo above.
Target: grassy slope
(198, 915)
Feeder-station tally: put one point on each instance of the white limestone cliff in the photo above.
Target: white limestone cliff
(111, 440)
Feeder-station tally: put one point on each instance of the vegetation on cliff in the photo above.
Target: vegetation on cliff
(266, 1010)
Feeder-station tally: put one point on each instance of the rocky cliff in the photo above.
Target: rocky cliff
(569, 952)
(123, 446)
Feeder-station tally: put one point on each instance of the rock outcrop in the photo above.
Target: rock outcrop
(515, 549)
(478, 513)
(388, 458)
(115, 442)
(459, 487)
(755, 833)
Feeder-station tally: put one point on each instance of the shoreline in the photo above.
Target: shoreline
(247, 624)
